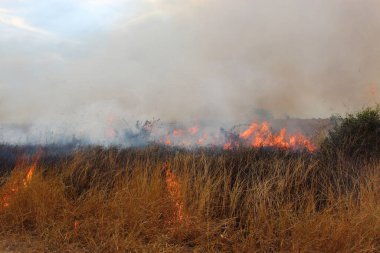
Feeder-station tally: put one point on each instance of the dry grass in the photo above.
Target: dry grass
(238, 201)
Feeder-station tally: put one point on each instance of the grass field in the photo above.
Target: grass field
(158, 199)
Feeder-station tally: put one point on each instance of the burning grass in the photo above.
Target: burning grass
(159, 199)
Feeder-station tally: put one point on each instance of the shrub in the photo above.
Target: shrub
(356, 136)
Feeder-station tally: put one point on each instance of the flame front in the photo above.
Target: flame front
(261, 136)
(257, 135)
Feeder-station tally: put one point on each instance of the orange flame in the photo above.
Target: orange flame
(252, 128)
(168, 141)
(256, 135)
(174, 189)
(177, 132)
(14, 186)
(182, 137)
(227, 146)
(261, 136)
(193, 130)
(29, 174)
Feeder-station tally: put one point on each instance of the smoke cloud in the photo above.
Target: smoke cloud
(191, 61)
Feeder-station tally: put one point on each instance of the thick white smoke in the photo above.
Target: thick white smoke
(194, 61)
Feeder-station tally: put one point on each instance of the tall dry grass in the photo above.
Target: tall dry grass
(111, 200)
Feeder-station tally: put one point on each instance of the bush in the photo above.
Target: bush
(356, 136)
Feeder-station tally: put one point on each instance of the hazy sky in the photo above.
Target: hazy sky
(75, 61)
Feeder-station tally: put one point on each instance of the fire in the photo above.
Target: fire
(29, 174)
(261, 136)
(14, 186)
(168, 141)
(257, 135)
(177, 132)
(174, 189)
(202, 139)
(252, 128)
(182, 137)
(193, 130)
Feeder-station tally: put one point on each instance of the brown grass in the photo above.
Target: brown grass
(238, 201)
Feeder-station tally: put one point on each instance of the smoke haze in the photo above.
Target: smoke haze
(85, 66)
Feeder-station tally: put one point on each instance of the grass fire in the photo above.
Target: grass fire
(190, 126)
(267, 194)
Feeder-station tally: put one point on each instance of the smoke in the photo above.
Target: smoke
(195, 61)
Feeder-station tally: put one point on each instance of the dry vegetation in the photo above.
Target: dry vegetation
(161, 199)
(112, 200)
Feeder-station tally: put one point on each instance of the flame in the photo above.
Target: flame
(252, 128)
(174, 189)
(14, 186)
(257, 135)
(177, 132)
(29, 174)
(203, 139)
(193, 130)
(261, 136)
(227, 146)
(182, 137)
(168, 141)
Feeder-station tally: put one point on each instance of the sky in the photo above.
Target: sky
(79, 63)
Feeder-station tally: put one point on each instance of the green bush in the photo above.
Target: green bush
(356, 136)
